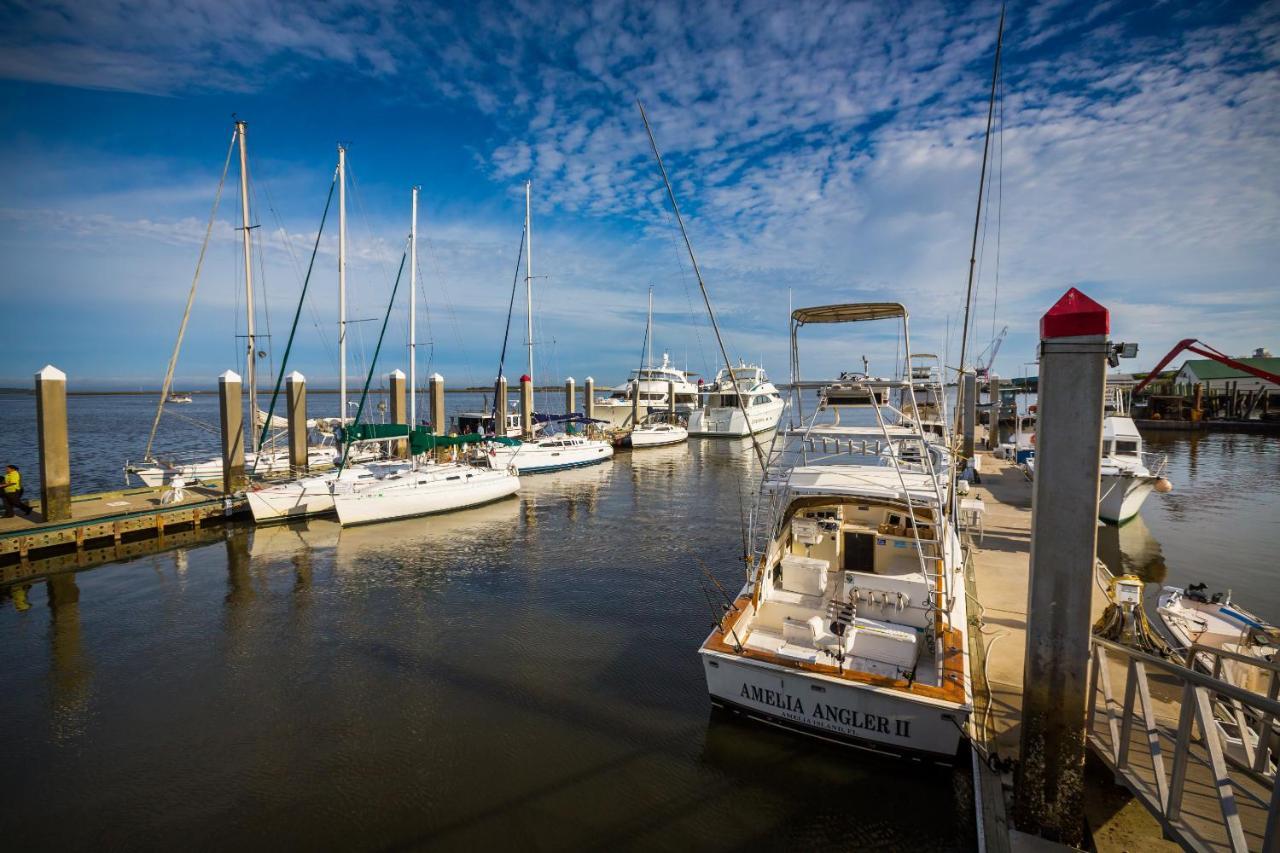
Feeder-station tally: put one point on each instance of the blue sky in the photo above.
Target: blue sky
(829, 151)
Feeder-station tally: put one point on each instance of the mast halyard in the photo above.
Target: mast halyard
(252, 351)
(342, 285)
(528, 270)
(413, 313)
(648, 335)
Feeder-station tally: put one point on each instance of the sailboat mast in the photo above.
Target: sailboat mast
(528, 267)
(648, 335)
(252, 351)
(413, 314)
(342, 284)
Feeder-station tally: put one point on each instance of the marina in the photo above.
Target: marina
(943, 556)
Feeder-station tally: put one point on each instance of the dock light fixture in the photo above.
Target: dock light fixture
(1119, 351)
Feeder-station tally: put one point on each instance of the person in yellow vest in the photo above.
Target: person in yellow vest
(13, 493)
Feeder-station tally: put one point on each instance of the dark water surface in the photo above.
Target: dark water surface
(523, 673)
(520, 674)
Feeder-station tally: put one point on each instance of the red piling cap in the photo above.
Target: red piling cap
(1074, 314)
(526, 378)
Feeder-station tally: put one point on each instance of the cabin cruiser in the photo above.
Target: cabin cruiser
(555, 452)
(1125, 478)
(852, 624)
(744, 388)
(483, 422)
(656, 433)
(653, 385)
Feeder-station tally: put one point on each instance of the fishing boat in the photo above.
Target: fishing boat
(1126, 480)
(740, 402)
(540, 452)
(852, 624)
(177, 397)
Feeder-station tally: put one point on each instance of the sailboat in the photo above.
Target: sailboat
(659, 429)
(422, 487)
(554, 452)
(262, 461)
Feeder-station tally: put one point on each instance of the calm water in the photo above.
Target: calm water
(524, 672)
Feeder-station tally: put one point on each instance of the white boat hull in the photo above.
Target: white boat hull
(1122, 496)
(535, 459)
(310, 496)
(856, 714)
(640, 438)
(728, 422)
(415, 493)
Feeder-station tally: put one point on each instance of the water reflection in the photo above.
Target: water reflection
(1131, 549)
(69, 667)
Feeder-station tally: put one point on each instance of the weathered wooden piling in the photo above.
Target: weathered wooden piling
(231, 420)
(397, 413)
(1073, 357)
(526, 406)
(993, 421)
(671, 400)
(500, 404)
(55, 452)
(570, 396)
(589, 398)
(438, 422)
(969, 414)
(295, 387)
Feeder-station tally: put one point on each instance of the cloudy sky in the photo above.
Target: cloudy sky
(822, 152)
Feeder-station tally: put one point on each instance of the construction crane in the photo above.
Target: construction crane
(1201, 348)
(982, 370)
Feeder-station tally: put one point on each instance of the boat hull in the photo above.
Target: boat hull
(728, 422)
(531, 459)
(642, 439)
(880, 720)
(1122, 496)
(394, 499)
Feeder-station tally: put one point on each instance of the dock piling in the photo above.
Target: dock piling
(1048, 790)
(969, 415)
(526, 406)
(438, 422)
(231, 420)
(500, 404)
(295, 388)
(570, 396)
(55, 452)
(671, 400)
(398, 413)
(589, 398)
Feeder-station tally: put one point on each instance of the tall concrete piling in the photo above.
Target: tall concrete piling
(500, 404)
(526, 406)
(55, 451)
(671, 400)
(231, 421)
(993, 421)
(570, 396)
(436, 388)
(398, 412)
(969, 414)
(589, 398)
(1064, 518)
(295, 388)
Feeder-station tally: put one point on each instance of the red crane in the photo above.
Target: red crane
(1201, 348)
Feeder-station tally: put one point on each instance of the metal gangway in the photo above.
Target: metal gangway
(1198, 750)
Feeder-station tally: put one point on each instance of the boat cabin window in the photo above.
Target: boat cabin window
(1129, 448)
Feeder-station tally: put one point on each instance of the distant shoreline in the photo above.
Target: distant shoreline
(514, 389)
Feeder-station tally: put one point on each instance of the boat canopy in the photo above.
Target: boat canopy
(851, 312)
(421, 439)
(570, 417)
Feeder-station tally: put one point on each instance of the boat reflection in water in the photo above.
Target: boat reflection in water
(1132, 549)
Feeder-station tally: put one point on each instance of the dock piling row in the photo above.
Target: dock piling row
(231, 422)
(295, 386)
(55, 451)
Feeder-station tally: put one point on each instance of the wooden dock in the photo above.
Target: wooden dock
(111, 519)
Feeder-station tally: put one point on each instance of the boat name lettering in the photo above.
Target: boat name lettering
(828, 713)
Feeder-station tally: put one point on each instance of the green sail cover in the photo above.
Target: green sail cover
(421, 439)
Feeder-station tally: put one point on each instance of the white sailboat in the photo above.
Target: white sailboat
(548, 453)
(659, 429)
(852, 625)
(423, 487)
(724, 415)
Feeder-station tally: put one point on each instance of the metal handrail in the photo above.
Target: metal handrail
(1196, 707)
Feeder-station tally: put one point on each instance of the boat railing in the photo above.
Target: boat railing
(1160, 727)
(1157, 463)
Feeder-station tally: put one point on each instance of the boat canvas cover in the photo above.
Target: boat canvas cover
(862, 481)
(849, 313)
(421, 439)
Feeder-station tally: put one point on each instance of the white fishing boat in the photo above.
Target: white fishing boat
(425, 486)
(484, 423)
(852, 625)
(656, 434)
(740, 402)
(1126, 480)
